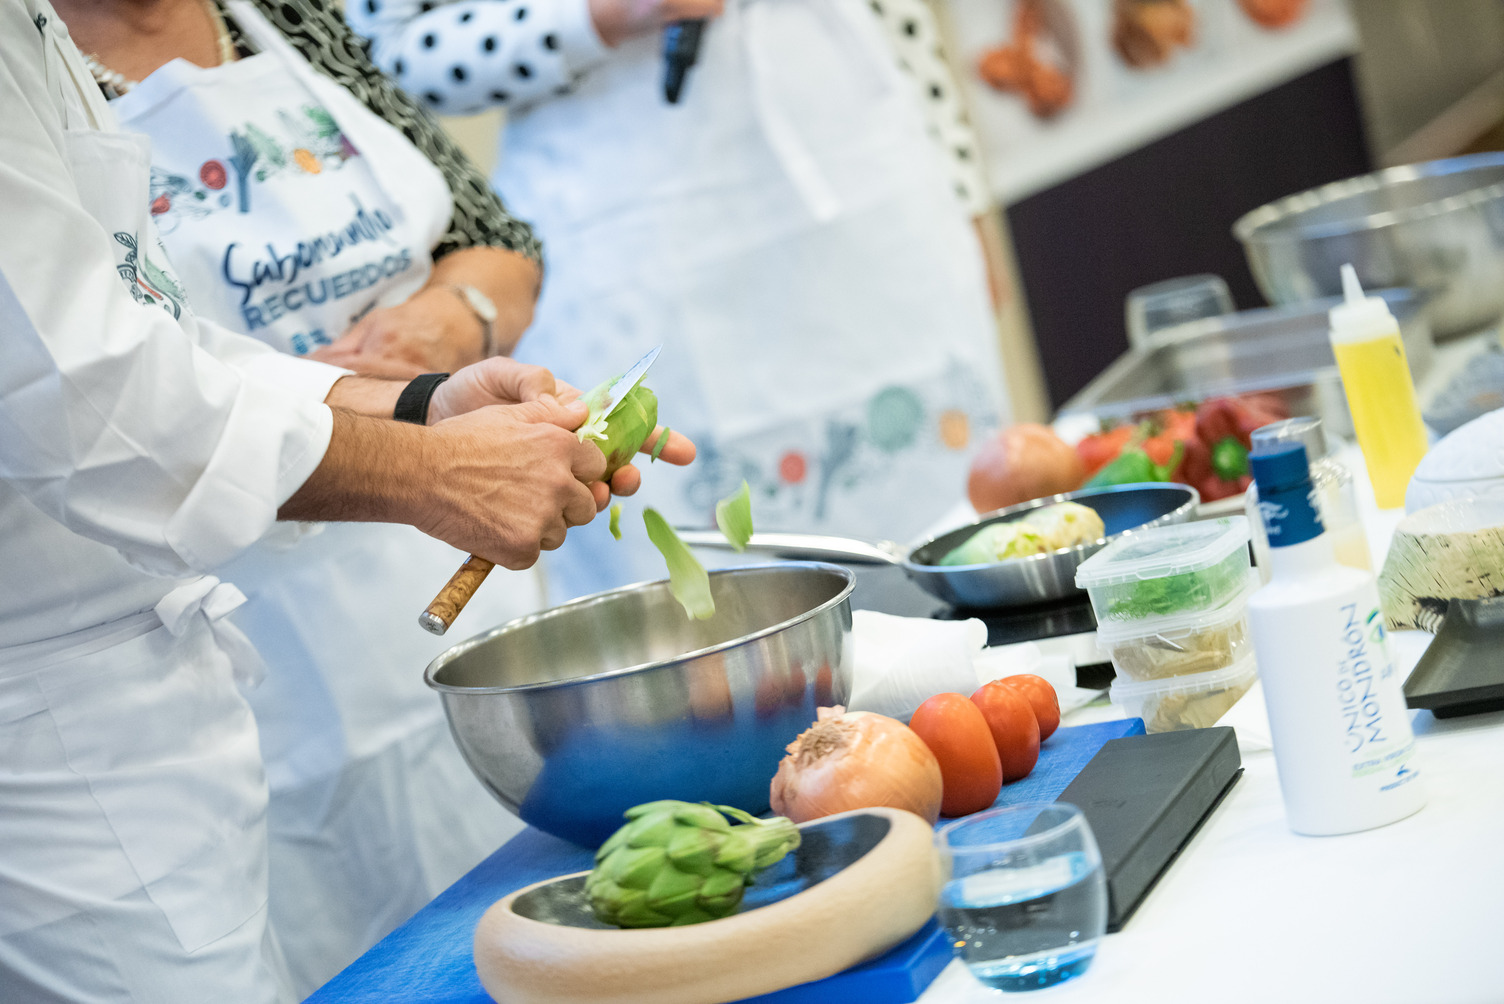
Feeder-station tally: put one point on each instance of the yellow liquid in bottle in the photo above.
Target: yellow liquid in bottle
(1381, 395)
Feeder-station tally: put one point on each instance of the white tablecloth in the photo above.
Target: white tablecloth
(1410, 913)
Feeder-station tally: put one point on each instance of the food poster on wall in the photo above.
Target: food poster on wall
(1058, 87)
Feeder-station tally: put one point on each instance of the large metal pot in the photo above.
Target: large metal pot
(1437, 227)
(573, 715)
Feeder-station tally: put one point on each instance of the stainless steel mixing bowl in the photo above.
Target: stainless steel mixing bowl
(573, 715)
(1436, 227)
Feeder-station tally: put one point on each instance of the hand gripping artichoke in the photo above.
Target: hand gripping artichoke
(679, 863)
(619, 431)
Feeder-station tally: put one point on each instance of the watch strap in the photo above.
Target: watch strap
(412, 403)
(474, 300)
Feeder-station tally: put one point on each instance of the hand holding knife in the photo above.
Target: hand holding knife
(451, 600)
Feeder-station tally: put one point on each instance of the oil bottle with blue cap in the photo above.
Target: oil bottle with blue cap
(1343, 744)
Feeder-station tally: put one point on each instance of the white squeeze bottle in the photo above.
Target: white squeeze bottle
(1337, 715)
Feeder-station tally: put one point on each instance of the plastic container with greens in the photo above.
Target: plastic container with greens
(1167, 570)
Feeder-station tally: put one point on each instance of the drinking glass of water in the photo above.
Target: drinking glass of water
(1026, 902)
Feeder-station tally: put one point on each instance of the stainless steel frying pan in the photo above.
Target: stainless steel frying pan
(1015, 582)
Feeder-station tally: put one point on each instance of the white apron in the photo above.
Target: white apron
(315, 209)
(373, 811)
(788, 234)
(130, 742)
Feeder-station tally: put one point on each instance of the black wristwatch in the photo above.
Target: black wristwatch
(412, 403)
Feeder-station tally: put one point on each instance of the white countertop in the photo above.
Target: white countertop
(1252, 912)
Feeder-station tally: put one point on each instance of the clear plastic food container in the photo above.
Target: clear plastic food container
(1167, 570)
(1179, 645)
(1185, 702)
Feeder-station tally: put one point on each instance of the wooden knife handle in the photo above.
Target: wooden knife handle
(452, 598)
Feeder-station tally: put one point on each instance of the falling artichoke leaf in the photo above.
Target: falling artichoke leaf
(662, 442)
(619, 431)
(733, 514)
(687, 579)
(615, 526)
(677, 863)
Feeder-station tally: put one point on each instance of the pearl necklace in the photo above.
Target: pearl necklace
(115, 84)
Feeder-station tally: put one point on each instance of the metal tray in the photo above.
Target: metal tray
(1281, 350)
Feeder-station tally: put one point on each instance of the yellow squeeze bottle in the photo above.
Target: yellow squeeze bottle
(1380, 393)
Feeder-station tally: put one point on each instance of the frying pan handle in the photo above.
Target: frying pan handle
(452, 598)
(802, 546)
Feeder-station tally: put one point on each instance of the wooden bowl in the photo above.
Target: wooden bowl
(858, 884)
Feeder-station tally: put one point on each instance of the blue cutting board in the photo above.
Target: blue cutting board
(428, 959)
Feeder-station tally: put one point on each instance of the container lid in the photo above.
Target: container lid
(1124, 691)
(1305, 430)
(1180, 623)
(1161, 551)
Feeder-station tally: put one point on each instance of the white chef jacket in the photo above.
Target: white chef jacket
(135, 447)
(139, 446)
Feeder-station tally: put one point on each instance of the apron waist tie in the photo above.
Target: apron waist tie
(215, 600)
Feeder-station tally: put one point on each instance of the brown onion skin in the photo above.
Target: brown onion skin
(849, 772)
(1022, 463)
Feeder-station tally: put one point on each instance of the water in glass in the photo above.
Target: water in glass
(1026, 903)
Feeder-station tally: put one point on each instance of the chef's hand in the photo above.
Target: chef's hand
(499, 380)
(430, 332)
(512, 480)
(506, 381)
(618, 20)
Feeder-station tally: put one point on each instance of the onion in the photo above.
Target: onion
(856, 760)
(1022, 463)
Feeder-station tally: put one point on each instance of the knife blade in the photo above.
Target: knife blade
(628, 381)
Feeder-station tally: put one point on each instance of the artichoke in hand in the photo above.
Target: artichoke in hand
(621, 433)
(678, 863)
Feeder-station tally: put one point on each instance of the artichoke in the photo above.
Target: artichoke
(678, 863)
(621, 433)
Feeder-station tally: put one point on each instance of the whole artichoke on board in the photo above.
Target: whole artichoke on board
(680, 863)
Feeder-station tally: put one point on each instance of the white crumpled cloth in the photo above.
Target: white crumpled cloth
(900, 662)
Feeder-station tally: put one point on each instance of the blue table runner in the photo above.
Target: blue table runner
(428, 959)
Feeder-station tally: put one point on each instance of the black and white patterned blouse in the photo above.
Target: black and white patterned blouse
(914, 31)
(464, 56)
(323, 38)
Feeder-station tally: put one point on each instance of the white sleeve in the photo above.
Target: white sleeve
(463, 56)
(112, 420)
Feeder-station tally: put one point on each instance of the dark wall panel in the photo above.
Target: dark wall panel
(1167, 210)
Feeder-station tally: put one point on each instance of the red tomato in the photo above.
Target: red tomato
(955, 731)
(1015, 730)
(1041, 697)
(1099, 450)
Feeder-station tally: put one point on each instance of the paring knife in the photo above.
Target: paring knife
(452, 598)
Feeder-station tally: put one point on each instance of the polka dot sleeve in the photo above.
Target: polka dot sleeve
(915, 34)
(463, 56)
(323, 38)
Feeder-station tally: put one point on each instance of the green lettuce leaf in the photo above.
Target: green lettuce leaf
(733, 514)
(687, 578)
(615, 526)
